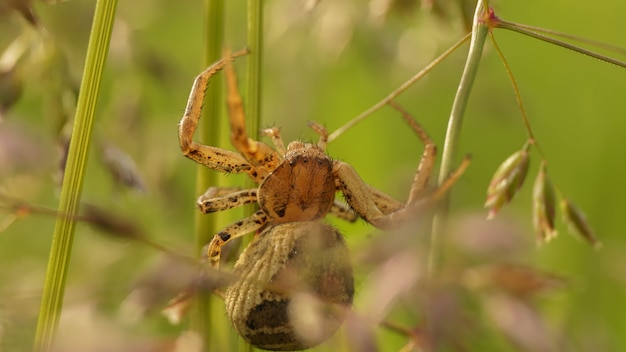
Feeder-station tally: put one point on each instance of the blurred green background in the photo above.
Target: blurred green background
(326, 63)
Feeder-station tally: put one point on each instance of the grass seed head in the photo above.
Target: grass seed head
(544, 206)
(578, 224)
(506, 181)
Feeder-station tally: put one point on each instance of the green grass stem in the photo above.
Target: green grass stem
(209, 133)
(60, 251)
(531, 33)
(253, 95)
(480, 30)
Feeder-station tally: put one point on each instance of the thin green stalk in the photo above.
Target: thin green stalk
(523, 30)
(398, 91)
(60, 251)
(480, 30)
(596, 43)
(518, 96)
(253, 94)
(209, 134)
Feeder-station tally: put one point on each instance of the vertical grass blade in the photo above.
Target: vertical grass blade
(253, 92)
(209, 134)
(54, 286)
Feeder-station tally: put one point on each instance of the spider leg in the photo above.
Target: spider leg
(215, 158)
(214, 191)
(213, 250)
(372, 205)
(377, 207)
(383, 201)
(218, 199)
(274, 134)
(359, 195)
(343, 212)
(322, 131)
(427, 162)
(254, 152)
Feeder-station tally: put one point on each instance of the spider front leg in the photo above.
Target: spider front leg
(372, 205)
(254, 152)
(376, 207)
(429, 156)
(360, 197)
(418, 192)
(215, 158)
(213, 251)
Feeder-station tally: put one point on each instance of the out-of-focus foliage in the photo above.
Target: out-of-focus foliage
(325, 61)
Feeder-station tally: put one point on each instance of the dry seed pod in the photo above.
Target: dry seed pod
(544, 205)
(295, 283)
(577, 223)
(110, 224)
(121, 167)
(507, 180)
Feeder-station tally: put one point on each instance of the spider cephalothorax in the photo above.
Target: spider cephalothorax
(301, 188)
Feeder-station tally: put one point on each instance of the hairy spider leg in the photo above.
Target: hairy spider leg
(274, 134)
(378, 208)
(427, 162)
(212, 157)
(258, 154)
(322, 131)
(213, 251)
(224, 198)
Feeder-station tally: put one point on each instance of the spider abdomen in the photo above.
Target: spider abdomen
(295, 283)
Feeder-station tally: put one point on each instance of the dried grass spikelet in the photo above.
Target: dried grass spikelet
(121, 167)
(577, 223)
(544, 206)
(507, 180)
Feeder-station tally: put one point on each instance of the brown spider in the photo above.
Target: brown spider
(296, 183)
(297, 187)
